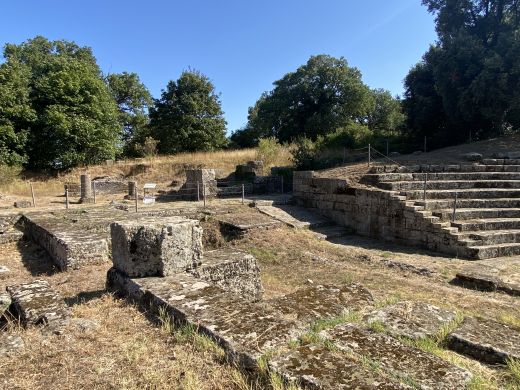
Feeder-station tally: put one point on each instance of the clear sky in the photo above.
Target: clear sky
(241, 45)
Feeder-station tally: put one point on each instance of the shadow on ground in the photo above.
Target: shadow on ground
(35, 259)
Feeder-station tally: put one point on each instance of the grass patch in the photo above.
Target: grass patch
(513, 366)
(378, 326)
(264, 255)
(386, 255)
(509, 319)
(331, 322)
(391, 300)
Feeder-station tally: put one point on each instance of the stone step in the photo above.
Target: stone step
(435, 176)
(492, 237)
(487, 224)
(472, 193)
(483, 213)
(445, 168)
(499, 161)
(449, 185)
(329, 232)
(436, 204)
(491, 251)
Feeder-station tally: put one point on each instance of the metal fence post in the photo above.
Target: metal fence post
(204, 193)
(94, 191)
(67, 198)
(243, 193)
(198, 192)
(368, 154)
(454, 208)
(32, 194)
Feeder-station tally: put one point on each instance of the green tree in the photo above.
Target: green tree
(472, 70)
(188, 116)
(386, 118)
(133, 99)
(73, 117)
(319, 97)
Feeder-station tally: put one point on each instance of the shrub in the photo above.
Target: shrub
(9, 173)
(268, 151)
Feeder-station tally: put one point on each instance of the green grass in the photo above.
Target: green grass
(264, 255)
(391, 300)
(513, 366)
(331, 322)
(378, 326)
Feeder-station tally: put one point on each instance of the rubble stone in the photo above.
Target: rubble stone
(486, 340)
(414, 320)
(151, 247)
(472, 157)
(233, 271)
(5, 302)
(22, 204)
(37, 303)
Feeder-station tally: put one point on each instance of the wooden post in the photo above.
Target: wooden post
(94, 191)
(204, 193)
(136, 198)
(67, 198)
(198, 192)
(32, 194)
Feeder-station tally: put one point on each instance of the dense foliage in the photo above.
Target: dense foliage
(468, 83)
(55, 108)
(322, 97)
(188, 116)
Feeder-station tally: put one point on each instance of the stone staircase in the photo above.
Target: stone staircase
(478, 205)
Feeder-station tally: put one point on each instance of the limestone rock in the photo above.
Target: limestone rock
(37, 303)
(316, 301)
(233, 271)
(3, 271)
(60, 327)
(486, 340)
(151, 247)
(414, 320)
(317, 367)
(427, 371)
(5, 302)
(10, 344)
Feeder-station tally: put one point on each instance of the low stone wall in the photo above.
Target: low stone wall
(374, 213)
(68, 248)
(103, 187)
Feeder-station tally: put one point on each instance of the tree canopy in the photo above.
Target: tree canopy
(469, 81)
(188, 116)
(55, 108)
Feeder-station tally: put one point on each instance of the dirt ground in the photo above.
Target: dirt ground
(132, 351)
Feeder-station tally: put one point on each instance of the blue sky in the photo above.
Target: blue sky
(243, 46)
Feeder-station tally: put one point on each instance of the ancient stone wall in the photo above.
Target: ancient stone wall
(373, 213)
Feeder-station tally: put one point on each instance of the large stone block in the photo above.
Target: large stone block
(232, 271)
(37, 303)
(150, 247)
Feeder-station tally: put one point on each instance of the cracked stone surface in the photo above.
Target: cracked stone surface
(486, 340)
(233, 271)
(10, 344)
(397, 359)
(317, 367)
(314, 302)
(37, 303)
(412, 319)
(151, 247)
(245, 329)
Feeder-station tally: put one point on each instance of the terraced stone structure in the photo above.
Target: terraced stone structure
(470, 211)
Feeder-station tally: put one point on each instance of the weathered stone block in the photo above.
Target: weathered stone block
(486, 340)
(37, 303)
(9, 344)
(232, 271)
(151, 247)
(414, 320)
(5, 302)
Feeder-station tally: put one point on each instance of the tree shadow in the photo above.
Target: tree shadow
(35, 259)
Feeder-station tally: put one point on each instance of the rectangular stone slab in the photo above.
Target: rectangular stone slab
(486, 340)
(398, 359)
(156, 246)
(68, 246)
(317, 367)
(246, 330)
(315, 302)
(37, 303)
(412, 319)
(233, 271)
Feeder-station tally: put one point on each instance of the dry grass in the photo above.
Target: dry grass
(160, 169)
